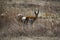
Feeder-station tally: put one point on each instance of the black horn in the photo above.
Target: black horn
(36, 12)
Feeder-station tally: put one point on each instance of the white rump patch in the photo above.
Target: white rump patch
(23, 18)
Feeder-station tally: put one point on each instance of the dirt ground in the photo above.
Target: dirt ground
(30, 38)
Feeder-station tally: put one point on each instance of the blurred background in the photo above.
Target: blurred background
(46, 25)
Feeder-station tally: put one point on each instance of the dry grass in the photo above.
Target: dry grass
(11, 27)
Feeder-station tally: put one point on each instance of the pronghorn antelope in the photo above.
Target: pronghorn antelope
(27, 19)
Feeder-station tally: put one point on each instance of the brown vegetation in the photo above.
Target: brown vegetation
(9, 24)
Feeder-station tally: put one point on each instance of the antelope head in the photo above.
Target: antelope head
(36, 13)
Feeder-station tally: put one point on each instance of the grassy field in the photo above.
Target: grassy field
(30, 38)
(44, 28)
